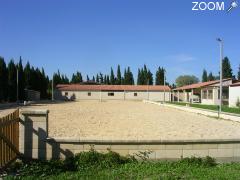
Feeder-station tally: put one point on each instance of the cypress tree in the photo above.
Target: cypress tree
(105, 79)
(97, 78)
(12, 81)
(211, 77)
(27, 75)
(21, 80)
(73, 80)
(226, 68)
(112, 77)
(204, 76)
(149, 78)
(238, 75)
(139, 77)
(159, 79)
(101, 78)
(3, 80)
(119, 76)
(108, 80)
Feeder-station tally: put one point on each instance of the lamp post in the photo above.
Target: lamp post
(17, 86)
(52, 87)
(221, 59)
(164, 83)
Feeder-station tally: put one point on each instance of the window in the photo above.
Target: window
(135, 94)
(210, 94)
(204, 94)
(111, 94)
(89, 93)
(66, 93)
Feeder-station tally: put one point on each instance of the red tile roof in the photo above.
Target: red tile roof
(235, 84)
(79, 87)
(199, 85)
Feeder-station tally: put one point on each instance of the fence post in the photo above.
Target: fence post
(33, 133)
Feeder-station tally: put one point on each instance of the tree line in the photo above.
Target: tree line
(28, 78)
(227, 72)
(144, 77)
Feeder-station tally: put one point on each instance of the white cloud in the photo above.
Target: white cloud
(181, 58)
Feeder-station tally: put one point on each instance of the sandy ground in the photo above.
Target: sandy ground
(129, 120)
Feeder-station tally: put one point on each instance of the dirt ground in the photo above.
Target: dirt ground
(129, 120)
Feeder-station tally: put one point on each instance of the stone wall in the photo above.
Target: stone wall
(35, 143)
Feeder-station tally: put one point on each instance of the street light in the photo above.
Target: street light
(221, 59)
(17, 86)
(52, 87)
(164, 83)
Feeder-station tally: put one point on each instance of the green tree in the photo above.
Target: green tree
(105, 79)
(238, 75)
(21, 80)
(119, 76)
(226, 69)
(101, 78)
(108, 80)
(44, 85)
(149, 78)
(12, 81)
(3, 80)
(112, 77)
(145, 77)
(97, 78)
(27, 76)
(139, 77)
(204, 76)
(76, 78)
(159, 79)
(211, 77)
(128, 77)
(186, 80)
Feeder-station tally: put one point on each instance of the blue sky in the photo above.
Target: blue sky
(92, 35)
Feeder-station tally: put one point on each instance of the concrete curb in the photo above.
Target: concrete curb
(225, 116)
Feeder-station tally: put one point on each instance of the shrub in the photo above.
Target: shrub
(205, 162)
(238, 103)
(94, 159)
(37, 168)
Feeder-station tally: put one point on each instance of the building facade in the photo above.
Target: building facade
(206, 92)
(112, 92)
(234, 95)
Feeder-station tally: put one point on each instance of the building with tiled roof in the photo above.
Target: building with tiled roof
(118, 92)
(203, 92)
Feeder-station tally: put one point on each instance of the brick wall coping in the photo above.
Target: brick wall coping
(197, 141)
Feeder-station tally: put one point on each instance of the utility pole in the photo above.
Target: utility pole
(164, 83)
(148, 89)
(221, 59)
(52, 88)
(17, 87)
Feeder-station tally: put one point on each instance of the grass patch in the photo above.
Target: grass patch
(209, 107)
(94, 165)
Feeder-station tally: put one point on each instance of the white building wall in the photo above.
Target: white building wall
(234, 95)
(214, 101)
(159, 96)
(97, 95)
(129, 95)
